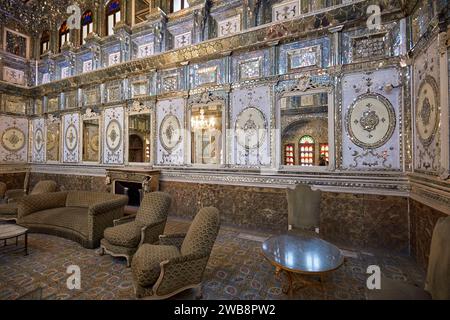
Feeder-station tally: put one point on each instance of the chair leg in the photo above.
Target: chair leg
(101, 252)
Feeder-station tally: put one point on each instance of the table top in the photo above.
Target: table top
(11, 230)
(302, 253)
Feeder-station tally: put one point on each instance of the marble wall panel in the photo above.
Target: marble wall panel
(113, 135)
(70, 182)
(13, 180)
(13, 139)
(38, 140)
(365, 221)
(71, 138)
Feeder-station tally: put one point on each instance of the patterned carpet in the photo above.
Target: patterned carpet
(236, 270)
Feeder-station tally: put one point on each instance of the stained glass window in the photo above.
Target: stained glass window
(323, 155)
(64, 34)
(112, 16)
(306, 149)
(87, 25)
(289, 157)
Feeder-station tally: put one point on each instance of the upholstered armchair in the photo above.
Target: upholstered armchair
(14, 194)
(303, 207)
(128, 233)
(8, 211)
(178, 262)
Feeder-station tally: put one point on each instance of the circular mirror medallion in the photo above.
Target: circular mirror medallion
(427, 110)
(113, 135)
(170, 132)
(94, 143)
(71, 137)
(38, 140)
(251, 128)
(370, 120)
(13, 139)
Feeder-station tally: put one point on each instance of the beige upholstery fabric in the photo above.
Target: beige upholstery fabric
(303, 207)
(85, 199)
(438, 273)
(150, 221)
(160, 271)
(202, 233)
(44, 186)
(2, 189)
(124, 235)
(146, 262)
(48, 213)
(8, 210)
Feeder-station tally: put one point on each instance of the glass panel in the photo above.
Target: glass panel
(176, 5)
(206, 135)
(110, 25)
(304, 130)
(139, 138)
(91, 140)
(53, 142)
(117, 17)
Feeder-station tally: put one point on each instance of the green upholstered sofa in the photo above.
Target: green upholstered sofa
(81, 216)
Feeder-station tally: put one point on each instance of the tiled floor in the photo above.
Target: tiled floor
(236, 270)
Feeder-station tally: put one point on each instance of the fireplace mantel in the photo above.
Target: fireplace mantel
(149, 178)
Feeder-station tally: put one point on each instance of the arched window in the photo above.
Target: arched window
(177, 5)
(112, 16)
(306, 149)
(87, 25)
(45, 41)
(64, 34)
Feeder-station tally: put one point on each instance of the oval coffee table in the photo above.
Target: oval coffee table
(301, 254)
(10, 231)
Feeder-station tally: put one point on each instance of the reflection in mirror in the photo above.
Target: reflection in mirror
(139, 138)
(91, 140)
(53, 142)
(206, 133)
(304, 130)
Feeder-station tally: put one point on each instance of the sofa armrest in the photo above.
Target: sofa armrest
(38, 202)
(175, 239)
(150, 233)
(180, 272)
(106, 206)
(124, 219)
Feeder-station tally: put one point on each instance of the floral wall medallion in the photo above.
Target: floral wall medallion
(427, 111)
(251, 128)
(71, 137)
(113, 135)
(250, 117)
(170, 120)
(13, 139)
(170, 132)
(38, 154)
(370, 121)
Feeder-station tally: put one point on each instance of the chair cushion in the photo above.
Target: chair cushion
(8, 209)
(72, 218)
(124, 235)
(145, 265)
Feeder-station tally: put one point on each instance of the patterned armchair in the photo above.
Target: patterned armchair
(8, 211)
(178, 262)
(14, 194)
(128, 233)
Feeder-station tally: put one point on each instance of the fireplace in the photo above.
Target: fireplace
(132, 182)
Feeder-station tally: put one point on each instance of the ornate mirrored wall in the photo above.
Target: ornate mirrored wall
(139, 126)
(38, 143)
(53, 139)
(251, 120)
(71, 134)
(13, 139)
(113, 133)
(170, 130)
(91, 137)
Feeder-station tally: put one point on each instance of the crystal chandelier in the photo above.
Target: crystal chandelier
(201, 123)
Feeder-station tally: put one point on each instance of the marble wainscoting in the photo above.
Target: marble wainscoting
(13, 180)
(365, 221)
(71, 182)
(247, 207)
(423, 219)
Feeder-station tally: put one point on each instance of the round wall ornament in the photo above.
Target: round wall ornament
(427, 110)
(370, 121)
(13, 139)
(113, 135)
(71, 137)
(251, 128)
(170, 132)
(38, 139)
